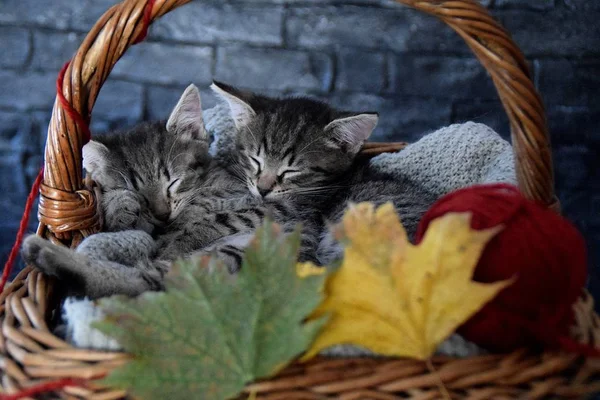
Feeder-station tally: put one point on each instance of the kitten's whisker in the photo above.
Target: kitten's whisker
(299, 152)
(238, 173)
(310, 190)
(171, 149)
(237, 166)
(183, 153)
(308, 152)
(251, 133)
(327, 187)
(127, 181)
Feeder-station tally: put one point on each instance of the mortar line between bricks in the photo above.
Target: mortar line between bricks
(453, 111)
(492, 99)
(31, 51)
(536, 73)
(33, 25)
(287, 47)
(255, 45)
(284, 32)
(145, 101)
(149, 84)
(213, 61)
(363, 4)
(47, 109)
(335, 63)
(387, 79)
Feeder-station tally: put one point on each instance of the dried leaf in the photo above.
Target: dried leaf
(398, 299)
(210, 333)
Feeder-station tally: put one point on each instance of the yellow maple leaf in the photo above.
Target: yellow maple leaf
(398, 299)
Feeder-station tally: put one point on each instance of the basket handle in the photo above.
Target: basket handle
(506, 64)
(68, 211)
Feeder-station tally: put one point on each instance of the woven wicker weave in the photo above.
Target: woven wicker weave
(31, 354)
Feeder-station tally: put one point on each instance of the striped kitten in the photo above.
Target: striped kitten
(148, 173)
(157, 180)
(146, 176)
(302, 153)
(288, 149)
(288, 155)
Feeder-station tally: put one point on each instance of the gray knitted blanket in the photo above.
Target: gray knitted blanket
(451, 158)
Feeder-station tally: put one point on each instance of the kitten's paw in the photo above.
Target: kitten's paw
(123, 213)
(31, 248)
(52, 260)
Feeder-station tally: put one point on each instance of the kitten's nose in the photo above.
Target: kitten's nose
(162, 216)
(160, 209)
(264, 191)
(265, 183)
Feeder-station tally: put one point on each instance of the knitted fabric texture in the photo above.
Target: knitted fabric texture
(451, 158)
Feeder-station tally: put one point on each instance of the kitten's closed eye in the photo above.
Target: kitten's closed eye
(257, 163)
(173, 186)
(287, 173)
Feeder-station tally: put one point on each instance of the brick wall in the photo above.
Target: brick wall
(358, 54)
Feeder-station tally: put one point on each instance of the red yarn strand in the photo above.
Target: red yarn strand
(22, 228)
(145, 22)
(42, 388)
(68, 108)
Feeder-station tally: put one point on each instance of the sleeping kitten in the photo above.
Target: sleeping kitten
(291, 162)
(146, 175)
(149, 173)
(289, 149)
(288, 161)
(156, 179)
(288, 155)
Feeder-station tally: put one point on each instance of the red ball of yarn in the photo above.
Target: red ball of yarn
(542, 250)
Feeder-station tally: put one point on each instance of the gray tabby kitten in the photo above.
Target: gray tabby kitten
(157, 179)
(288, 155)
(147, 175)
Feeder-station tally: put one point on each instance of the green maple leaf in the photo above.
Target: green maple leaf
(211, 333)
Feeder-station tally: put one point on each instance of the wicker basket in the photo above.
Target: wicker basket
(31, 354)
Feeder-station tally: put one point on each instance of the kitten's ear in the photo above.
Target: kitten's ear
(241, 111)
(186, 118)
(94, 156)
(350, 133)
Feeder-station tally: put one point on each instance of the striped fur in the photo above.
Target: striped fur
(159, 178)
(410, 200)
